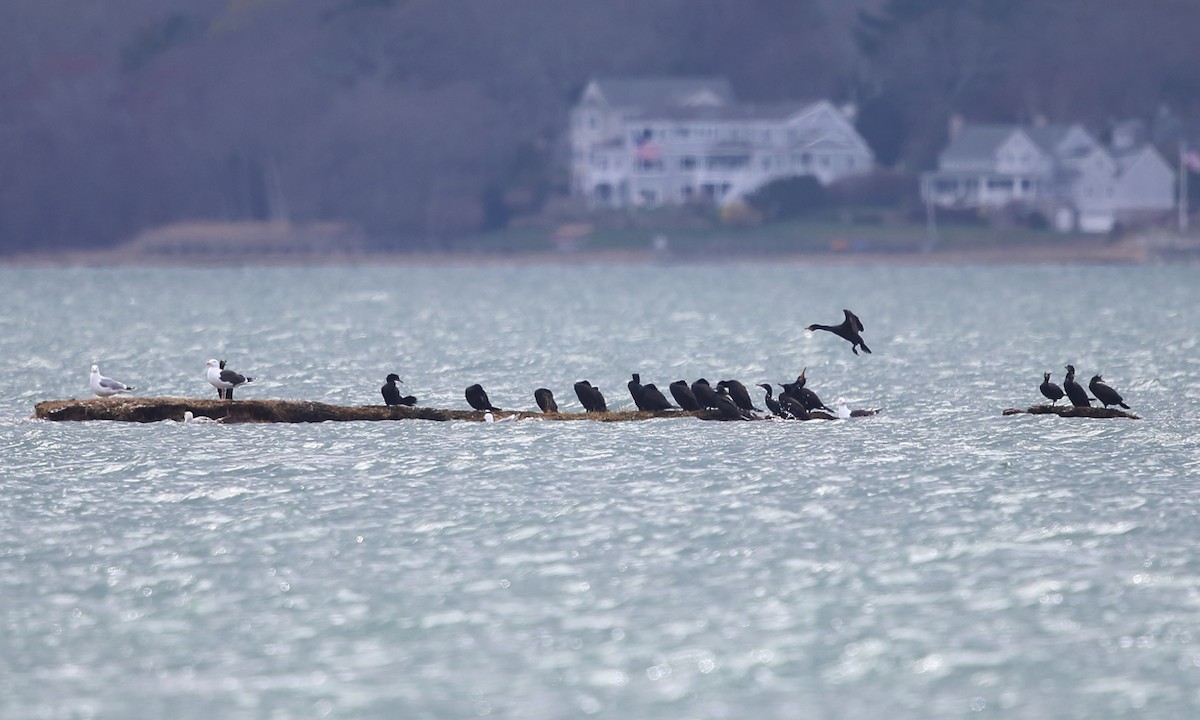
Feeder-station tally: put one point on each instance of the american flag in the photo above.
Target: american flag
(647, 150)
(1191, 160)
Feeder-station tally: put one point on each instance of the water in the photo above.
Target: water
(936, 561)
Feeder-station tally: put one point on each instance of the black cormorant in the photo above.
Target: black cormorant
(545, 400)
(792, 407)
(705, 395)
(391, 393)
(653, 399)
(724, 404)
(849, 330)
(635, 391)
(1074, 390)
(807, 396)
(741, 396)
(478, 399)
(684, 395)
(772, 403)
(590, 397)
(1052, 392)
(1104, 392)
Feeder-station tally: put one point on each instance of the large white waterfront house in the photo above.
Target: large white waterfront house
(1059, 170)
(648, 142)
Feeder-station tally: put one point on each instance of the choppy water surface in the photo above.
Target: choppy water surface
(936, 561)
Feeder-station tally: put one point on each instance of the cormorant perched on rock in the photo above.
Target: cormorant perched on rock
(684, 395)
(224, 379)
(849, 330)
(705, 395)
(1074, 390)
(478, 399)
(1104, 392)
(772, 403)
(1052, 392)
(791, 405)
(590, 397)
(741, 396)
(635, 391)
(391, 393)
(545, 400)
(724, 404)
(806, 395)
(654, 400)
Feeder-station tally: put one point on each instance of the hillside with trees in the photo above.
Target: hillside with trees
(422, 120)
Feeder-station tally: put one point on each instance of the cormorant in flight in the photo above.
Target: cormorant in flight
(684, 395)
(849, 330)
(1074, 390)
(478, 399)
(1104, 392)
(590, 397)
(1052, 392)
(545, 400)
(391, 393)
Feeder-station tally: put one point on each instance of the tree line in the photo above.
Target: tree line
(423, 120)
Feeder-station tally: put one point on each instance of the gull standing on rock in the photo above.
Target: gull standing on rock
(106, 386)
(224, 379)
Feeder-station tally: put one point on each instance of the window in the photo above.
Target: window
(945, 187)
(687, 163)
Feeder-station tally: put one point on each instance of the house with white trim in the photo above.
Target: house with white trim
(1059, 170)
(650, 142)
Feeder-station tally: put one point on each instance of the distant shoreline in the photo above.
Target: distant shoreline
(1122, 253)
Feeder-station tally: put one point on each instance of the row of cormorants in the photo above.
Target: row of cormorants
(1075, 392)
(730, 398)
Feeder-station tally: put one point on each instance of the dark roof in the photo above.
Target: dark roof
(974, 142)
(775, 111)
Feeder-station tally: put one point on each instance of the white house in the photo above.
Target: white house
(649, 142)
(1060, 170)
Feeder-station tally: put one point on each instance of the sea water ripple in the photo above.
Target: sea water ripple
(935, 561)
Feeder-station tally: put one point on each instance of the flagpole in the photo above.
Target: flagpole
(1183, 189)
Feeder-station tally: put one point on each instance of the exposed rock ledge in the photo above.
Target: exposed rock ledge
(144, 409)
(1072, 411)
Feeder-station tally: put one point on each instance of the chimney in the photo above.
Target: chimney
(955, 125)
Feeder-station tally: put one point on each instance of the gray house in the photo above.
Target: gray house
(1059, 170)
(648, 142)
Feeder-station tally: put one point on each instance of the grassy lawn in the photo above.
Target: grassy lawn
(795, 236)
